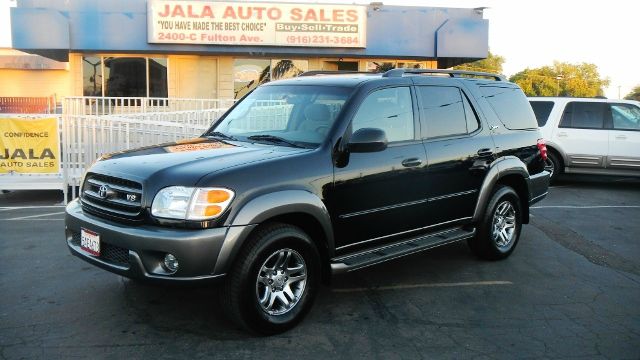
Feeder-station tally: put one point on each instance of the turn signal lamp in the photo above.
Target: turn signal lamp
(208, 203)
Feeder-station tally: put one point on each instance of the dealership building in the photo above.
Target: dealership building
(222, 49)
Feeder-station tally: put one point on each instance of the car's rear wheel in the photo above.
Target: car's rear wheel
(553, 165)
(274, 280)
(499, 230)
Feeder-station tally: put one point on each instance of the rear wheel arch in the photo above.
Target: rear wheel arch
(509, 171)
(519, 184)
(552, 147)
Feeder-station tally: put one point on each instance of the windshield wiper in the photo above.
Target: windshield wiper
(221, 135)
(273, 139)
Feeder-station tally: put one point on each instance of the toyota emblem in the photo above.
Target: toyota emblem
(103, 192)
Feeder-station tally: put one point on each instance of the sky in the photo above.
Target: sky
(534, 33)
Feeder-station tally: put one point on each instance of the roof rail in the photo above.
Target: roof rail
(451, 73)
(335, 72)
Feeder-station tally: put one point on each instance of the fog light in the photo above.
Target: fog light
(170, 263)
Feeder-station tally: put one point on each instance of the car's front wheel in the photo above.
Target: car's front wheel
(274, 280)
(499, 230)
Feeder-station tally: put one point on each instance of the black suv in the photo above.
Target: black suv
(314, 176)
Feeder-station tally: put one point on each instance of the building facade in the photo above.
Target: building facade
(207, 49)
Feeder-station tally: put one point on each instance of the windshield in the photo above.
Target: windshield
(298, 115)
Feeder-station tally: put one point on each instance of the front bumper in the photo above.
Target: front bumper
(138, 251)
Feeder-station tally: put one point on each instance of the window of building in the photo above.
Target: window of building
(340, 65)
(124, 76)
(91, 76)
(380, 66)
(284, 68)
(444, 111)
(411, 65)
(158, 77)
(542, 109)
(249, 73)
(585, 115)
(390, 110)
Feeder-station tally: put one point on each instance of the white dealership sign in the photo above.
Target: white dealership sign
(246, 23)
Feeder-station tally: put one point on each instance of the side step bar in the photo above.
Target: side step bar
(351, 262)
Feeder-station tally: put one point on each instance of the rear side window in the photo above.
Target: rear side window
(625, 117)
(542, 109)
(585, 115)
(511, 106)
(447, 111)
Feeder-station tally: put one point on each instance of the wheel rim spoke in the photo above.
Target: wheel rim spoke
(283, 299)
(287, 291)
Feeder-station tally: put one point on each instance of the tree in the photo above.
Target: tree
(493, 64)
(634, 94)
(562, 79)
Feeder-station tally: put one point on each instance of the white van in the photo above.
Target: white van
(590, 135)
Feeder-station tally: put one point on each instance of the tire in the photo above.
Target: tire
(554, 166)
(280, 257)
(503, 210)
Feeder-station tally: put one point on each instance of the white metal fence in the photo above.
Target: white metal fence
(92, 105)
(92, 126)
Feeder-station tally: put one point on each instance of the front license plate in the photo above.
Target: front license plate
(90, 242)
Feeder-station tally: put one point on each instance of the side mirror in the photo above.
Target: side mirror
(368, 140)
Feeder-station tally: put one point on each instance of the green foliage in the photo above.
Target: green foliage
(562, 79)
(634, 94)
(493, 64)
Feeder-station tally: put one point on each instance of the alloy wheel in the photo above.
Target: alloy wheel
(504, 225)
(281, 282)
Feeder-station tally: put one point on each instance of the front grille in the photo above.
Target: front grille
(110, 253)
(110, 196)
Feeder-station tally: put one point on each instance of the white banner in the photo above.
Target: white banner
(261, 24)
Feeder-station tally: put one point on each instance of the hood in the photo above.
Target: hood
(185, 162)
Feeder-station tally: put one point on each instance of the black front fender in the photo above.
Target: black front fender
(264, 207)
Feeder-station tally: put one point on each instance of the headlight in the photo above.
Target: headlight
(186, 203)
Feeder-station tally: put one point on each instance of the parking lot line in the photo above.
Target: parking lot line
(586, 207)
(431, 285)
(33, 220)
(35, 216)
(5, 208)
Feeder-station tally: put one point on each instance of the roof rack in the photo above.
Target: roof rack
(451, 73)
(335, 72)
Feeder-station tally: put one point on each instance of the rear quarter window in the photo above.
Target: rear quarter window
(511, 107)
(542, 109)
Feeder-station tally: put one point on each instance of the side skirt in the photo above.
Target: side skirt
(362, 259)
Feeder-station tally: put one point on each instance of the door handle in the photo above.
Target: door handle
(621, 137)
(485, 152)
(411, 162)
(562, 134)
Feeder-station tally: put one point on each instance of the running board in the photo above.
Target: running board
(351, 262)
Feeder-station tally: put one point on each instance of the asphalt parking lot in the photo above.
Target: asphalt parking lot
(570, 290)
